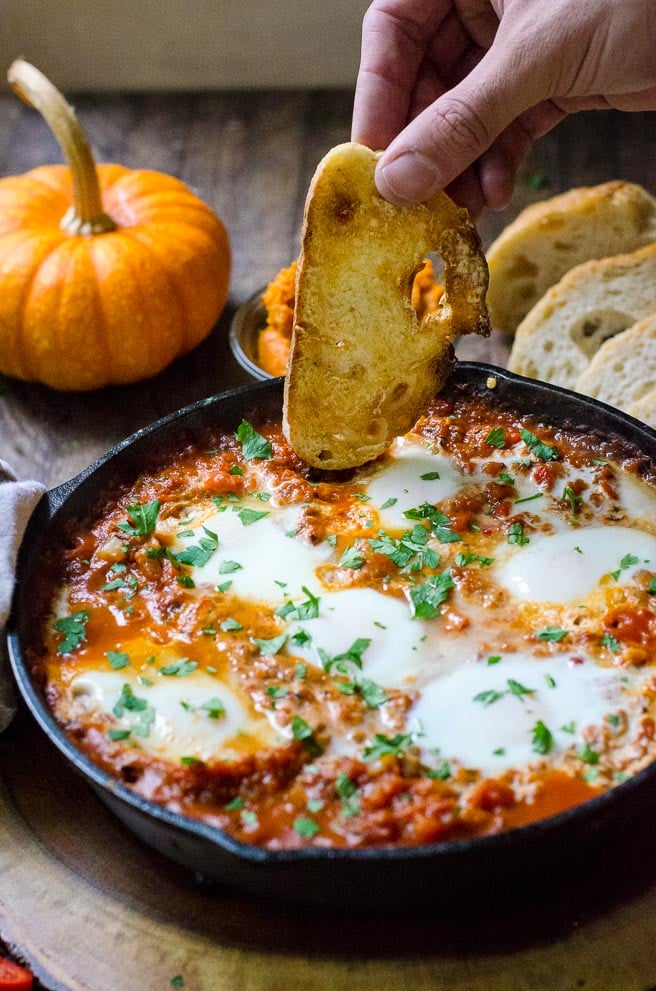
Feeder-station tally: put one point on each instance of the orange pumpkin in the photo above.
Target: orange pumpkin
(106, 274)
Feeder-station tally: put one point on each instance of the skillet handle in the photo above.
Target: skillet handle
(57, 497)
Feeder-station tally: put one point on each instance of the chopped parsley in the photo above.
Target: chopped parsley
(230, 624)
(389, 503)
(627, 562)
(186, 581)
(494, 659)
(351, 558)
(427, 598)
(516, 535)
(651, 588)
(347, 791)
(118, 734)
(304, 733)
(142, 519)
(531, 498)
(384, 746)
(572, 499)
(588, 755)
(277, 691)
(234, 805)
(129, 702)
(272, 646)
(496, 437)
(430, 476)
(410, 552)
(550, 680)
(248, 516)
(462, 560)
(542, 738)
(308, 609)
(74, 629)
(180, 668)
(198, 555)
(214, 708)
(505, 477)
(542, 450)
(440, 773)
(516, 688)
(306, 827)
(227, 567)
(177, 981)
(489, 696)
(608, 640)
(552, 634)
(253, 445)
(339, 662)
(374, 695)
(117, 660)
(236, 470)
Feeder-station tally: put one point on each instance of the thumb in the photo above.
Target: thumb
(442, 141)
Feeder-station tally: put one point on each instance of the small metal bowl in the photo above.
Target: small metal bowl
(248, 321)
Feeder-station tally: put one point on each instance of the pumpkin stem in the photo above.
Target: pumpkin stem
(86, 216)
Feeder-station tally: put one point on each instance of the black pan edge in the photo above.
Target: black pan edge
(313, 874)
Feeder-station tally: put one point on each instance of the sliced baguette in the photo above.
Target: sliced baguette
(362, 368)
(592, 303)
(549, 238)
(645, 408)
(624, 368)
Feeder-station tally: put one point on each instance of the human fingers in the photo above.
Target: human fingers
(460, 126)
(466, 190)
(395, 35)
(499, 165)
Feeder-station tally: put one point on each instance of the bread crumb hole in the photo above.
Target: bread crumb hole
(526, 292)
(522, 268)
(345, 209)
(325, 455)
(400, 391)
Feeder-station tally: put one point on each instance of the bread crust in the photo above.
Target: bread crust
(549, 238)
(624, 368)
(645, 408)
(362, 368)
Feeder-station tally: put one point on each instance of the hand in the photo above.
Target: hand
(457, 91)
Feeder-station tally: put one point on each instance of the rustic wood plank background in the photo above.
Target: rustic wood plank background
(250, 156)
(92, 907)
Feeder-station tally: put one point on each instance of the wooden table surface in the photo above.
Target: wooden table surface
(250, 156)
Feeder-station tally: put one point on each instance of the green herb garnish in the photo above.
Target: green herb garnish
(74, 629)
(142, 519)
(253, 445)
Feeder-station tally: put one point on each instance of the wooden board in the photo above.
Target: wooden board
(86, 904)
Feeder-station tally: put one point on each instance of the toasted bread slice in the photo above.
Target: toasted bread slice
(592, 303)
(549, 238)
(645, 408)
(362, 368)
(624, 368)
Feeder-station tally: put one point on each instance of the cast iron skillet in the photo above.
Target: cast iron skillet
(454, 871)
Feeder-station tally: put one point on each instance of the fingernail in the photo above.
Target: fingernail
(410, 178)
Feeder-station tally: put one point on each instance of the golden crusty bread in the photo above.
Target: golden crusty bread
(549, 238)
(645, 408)
(362, 368)
(624, 368)
(590, 304)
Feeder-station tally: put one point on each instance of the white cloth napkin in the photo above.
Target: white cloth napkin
(17, 500)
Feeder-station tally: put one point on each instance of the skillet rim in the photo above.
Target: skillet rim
(472, 374)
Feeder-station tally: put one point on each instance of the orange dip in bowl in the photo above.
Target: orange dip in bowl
(275, 338)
